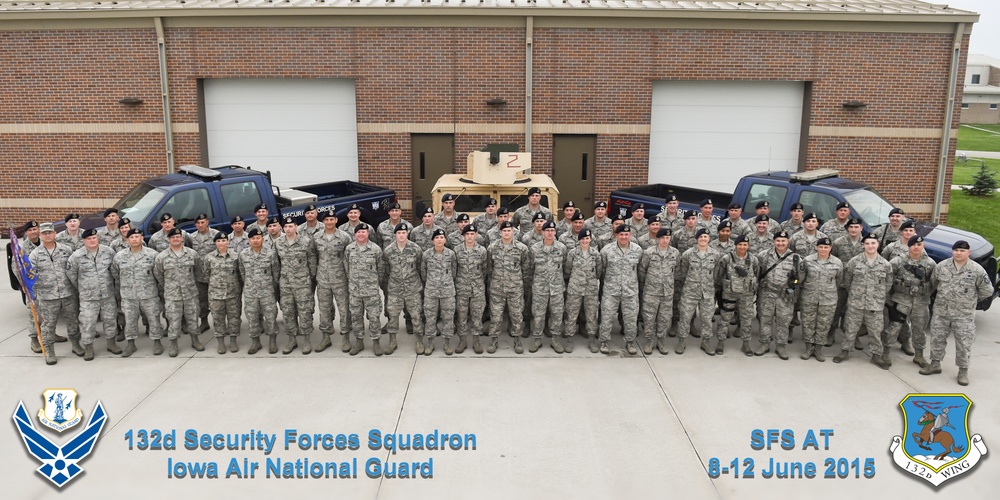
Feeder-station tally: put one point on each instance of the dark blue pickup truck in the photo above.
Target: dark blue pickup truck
(225, 192)
(819, 191)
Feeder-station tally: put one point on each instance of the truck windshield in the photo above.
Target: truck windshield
(870, 206)
(137, 204)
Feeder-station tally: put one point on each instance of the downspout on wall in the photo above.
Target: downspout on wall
(956, 51)
(168, 133)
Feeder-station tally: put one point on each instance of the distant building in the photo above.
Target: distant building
(982, 90)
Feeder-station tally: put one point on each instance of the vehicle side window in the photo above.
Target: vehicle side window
(823, 204)
(240, 197)
(775, 196)
(186, 205)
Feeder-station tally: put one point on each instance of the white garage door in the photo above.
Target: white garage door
(710, 134)
(303, 130)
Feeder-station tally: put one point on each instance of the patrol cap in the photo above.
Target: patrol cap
(220, 236)
(394, 206)
(907, 225)
(914, 240)
(735, 205)
(569, 204)
(726, 224)
(471, 228)
(505, 224)
(110, 211)
(706, 201)
(761, 218)
(624, 228)
(671, 197)
(503, 211)
(869, 236)
(810, 215)
(428, 211)
(492, 202)
(462, 217)
(327, 215)
(448, 197)
(354, 206)
(30, 224)
(175, 232)
(823, 241)
(539, 216)
(601, 204)
(577, 216)
(71, 216)
(762, 204)
(401, 227)
(740, 238)
(310, 208)
(961, 244)
(46, 227)
(781, 234)
(254, 232)
(289, 220)
(534, 190)
(236, 219)
(664, 232)
(584, 233)
(262, 206)
(843, 204)
(549, 225)
(93, 232)
(125, 221)
(201, 216)
(796, 206)
(690, 214)
(361, 227)
(702, 231)
(166, 216)
(853, 221)
(438, 232)
(273, 220)
(132, 231)
(896, 211)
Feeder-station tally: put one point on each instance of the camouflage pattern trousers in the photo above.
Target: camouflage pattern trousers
(553, 305)
(590, 304)
(150, 309)
(182, 314)
(705, 307)
(873, 320)
(816, 321)
(411, 303)
(225, 316)
(297, 305)
(50, 311)
(630, 315)
(964, 330)
(90, 310)
(736, 304)
(439, 316)
(657, 314)
(917, 317)
(370, 306)
(470, 312)
(327, 295)
(261, 313)
(513, 304)
(775, 315)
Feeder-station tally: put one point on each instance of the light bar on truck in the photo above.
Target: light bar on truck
(204, 173)
(814, 175)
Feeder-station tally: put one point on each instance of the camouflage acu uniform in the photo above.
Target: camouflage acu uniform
(331, 281)
(845, 250)
(775, 305)
(118, 244)
(602, 231)
(298, 270)
(639, 227)
(159, 241)
(645, 241)
(697, 271)
(563, 226)
(868, 286)
(804, 244)
(912, 295)
(760, 244)
(531, 237)
(133, 275)
(507, 266)
(674, 223)
(423, 236)
(621, 289)
(387, 232)
(522, 217)
(105, 236)
(710, 225)
(898, 248)
(738, 279)
(404, 285)
(571, 240)
(583, 271)
(260, 271)
(547, 287)
(683, 240)
(493, 236)
(448, 223)
(484, 223)
(656, 280)
(722, 248)
(470, 288)
(437, 270)
(225, 290)
(820, 284)
(204, 244)
(73, 242)
(833, 229)
(886, 234)
(54, 292)
(310, 232)
(364, 273)
(791, 228)
(238, 243)
(958, 291)
(742, 226)
(457, 239)
(174, 275)
(90, 274)
(348, 227)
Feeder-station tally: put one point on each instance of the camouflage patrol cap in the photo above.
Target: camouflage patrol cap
(46, 227)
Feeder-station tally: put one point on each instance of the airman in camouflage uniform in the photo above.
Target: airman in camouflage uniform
(900, 247)
(71, 236)
(737, 274)
(888, 233)
(488, 220)
(649, 239)
(272, 235)
(706, 220)
(656, 280)
(109, 231)
(447, 218)
(638, 221)
(387, 229)
(583, 270)
(670, 217)
(331, 282)
(547, 288)
(566, 224)
(132, 270)
(437, 270)
(470, 289)
(159, 241)
(401, 261)
(824, 275)
(354, 220)
(363, 262)
(260, 270)
(28, 243)
(724, 244)
(423, 235)
(297, 255)
(90, 273)
(507, 262)
(777, 294)
(534, 235)
(600, 225)
(696, 269)
(457, 238)
(54, 292)
(794, 223)
(225, 289)
(173, 269)
(571, 238)
(523, 217)
(762, 238)
(493, 235)
(763, 207)
(845, 248)
(238, 240)
(961, 283)
(868, 279)
(738, 224)
(911, 296)
(835, 228)
(203, 242)
(685, 238)
(804, 241)
(312, 226)
(621, 288)
(120, 242)
(261, 221)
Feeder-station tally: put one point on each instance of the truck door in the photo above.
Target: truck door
(240, 197)
(433, 155)
(185, 205)
(774, 194)
(573, 169)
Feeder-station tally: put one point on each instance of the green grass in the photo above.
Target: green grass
(971, 139)
(964, 171)
(977, 214)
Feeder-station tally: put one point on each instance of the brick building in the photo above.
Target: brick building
(981, 97)
(695, 93)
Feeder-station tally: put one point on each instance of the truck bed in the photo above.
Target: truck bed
(654, 196)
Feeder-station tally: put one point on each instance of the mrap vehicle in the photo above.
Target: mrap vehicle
(497, 175)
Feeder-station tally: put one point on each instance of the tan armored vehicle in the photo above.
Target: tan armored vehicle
(495, 175)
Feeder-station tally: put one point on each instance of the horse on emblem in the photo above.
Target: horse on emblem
(941, 437)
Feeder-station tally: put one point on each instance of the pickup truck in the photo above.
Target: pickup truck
(225, 192)
(819, 191)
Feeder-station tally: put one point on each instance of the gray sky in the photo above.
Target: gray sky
(985, 33)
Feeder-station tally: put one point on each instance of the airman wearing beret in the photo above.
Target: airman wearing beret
(912, 276)
(523, 217)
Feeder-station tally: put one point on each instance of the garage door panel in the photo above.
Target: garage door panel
(287, 117)
(270, 143)
(738, 119)
(262, 90)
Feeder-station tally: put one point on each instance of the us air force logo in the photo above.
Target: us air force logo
(59, 463)
(936, 444)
